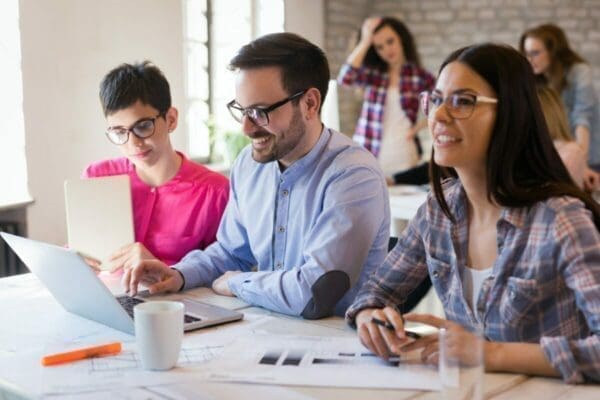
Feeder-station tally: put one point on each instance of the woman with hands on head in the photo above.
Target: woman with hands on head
(510, 242)
(386, 64)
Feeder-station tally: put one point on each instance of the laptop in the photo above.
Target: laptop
(84, 294)
(99, 208)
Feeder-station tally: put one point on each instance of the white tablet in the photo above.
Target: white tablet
(99, 216)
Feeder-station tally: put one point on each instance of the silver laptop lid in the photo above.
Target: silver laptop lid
(75, 285)
(71, 281)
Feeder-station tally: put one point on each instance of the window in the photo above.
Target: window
(13, 166)
(215, 30)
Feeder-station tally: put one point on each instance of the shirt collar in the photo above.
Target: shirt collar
(185, 170)
(515, 216)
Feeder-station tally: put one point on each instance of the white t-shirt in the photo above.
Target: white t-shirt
(396, 153)
(472, 281)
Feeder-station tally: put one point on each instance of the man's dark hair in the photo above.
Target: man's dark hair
(126, 84)
(303, 65)
(523, 166)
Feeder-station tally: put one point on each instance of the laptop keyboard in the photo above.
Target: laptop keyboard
(129, 302)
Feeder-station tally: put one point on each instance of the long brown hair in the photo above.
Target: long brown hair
(562, 57)
(522, 166)
(554, 114)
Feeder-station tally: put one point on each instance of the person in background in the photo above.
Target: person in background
(510, 242)
(308, 218)
(418, 175)
(570, 151)
(560, 67)
(386, 64)
(177, 204)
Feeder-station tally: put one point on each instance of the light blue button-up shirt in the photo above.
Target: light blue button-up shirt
(328, 211)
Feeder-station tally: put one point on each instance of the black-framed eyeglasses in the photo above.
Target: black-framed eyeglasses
(258, 115)
(458, 105)
(143, 129)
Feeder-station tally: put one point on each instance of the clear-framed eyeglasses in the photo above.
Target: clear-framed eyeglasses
(258, 115)
(458, 105)
(143, 129)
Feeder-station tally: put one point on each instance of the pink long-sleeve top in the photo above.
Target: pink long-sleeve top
(178, 216)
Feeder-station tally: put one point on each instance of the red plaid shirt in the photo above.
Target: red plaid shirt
(369, 129)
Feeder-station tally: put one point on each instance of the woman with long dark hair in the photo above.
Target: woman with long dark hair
(385, 63)
(510, 243)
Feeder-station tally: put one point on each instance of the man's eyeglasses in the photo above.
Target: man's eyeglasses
(458, 105)
(258, 115)
(143, 129)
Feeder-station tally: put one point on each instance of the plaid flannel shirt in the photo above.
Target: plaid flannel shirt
(544, 287)
(369, 129)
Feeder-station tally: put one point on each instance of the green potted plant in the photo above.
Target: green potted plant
(234, 142)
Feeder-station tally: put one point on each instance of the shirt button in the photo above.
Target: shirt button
(436, 273)
(281, 229)
(285, 192)
(512, 294)
(279, 265)
(153, 190)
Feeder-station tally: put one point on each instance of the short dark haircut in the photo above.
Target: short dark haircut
(128, 83)
(407, 41)
(303, 64)
(523, 167)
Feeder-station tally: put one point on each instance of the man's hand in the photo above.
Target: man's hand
(154, 274)
(129, 255)
(221, 285)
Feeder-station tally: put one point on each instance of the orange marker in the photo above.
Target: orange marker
(80, 354)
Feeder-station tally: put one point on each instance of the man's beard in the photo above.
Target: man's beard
(283, 144)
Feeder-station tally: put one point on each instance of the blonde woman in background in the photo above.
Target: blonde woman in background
(571, 153)
(557, 65)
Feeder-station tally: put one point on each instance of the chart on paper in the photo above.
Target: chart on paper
(300, 357)
(319, 361)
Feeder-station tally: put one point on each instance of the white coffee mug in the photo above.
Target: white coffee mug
(158, 333)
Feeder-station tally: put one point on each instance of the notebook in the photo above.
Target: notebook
(99, 216)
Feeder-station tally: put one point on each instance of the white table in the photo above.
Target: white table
(405, 200)
(22, 296)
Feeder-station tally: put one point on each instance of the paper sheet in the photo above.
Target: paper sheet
(122, 371)
(318, 361)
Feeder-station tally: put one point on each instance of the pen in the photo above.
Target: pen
(388, 325)
(80, 354)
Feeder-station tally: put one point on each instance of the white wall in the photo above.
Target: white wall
(67, 47)
(306, 18)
